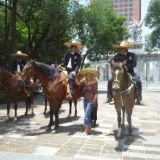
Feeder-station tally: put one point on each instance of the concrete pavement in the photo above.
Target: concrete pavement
(27, 138)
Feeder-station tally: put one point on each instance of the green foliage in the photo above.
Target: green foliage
(103, 29)
(44, 25)
(86, 65)
(152, 20)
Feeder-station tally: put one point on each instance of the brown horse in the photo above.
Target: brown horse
(123, 94)
(55, 87)
(15, 90)
(70, 106)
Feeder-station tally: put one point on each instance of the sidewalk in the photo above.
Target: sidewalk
(28, 140)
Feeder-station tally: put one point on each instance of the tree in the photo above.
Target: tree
(98, 27)
(152, 20)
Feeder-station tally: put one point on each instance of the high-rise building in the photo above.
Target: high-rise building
(127, 8)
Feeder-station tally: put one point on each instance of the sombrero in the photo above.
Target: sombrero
(20, 54)
(90, 71)
(123, 44)
(74, 43)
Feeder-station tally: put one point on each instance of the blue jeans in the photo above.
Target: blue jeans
(87, 112)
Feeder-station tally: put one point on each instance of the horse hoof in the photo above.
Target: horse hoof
(15, 119)
(75, 116)
(26, 114)
(56, 127)
(69, 115)
(48, 129)
(44, 113)
(7, 118)
(32, 114)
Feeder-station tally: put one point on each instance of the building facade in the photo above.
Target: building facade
(148, 69)
(131, 9)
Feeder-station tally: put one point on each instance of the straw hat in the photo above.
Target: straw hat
(90, 71)
(20, 54)
(123, 44)
(74, 43)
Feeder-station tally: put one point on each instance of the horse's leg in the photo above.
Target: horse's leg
(31, 105)
(123, 119)
(75, 105)
(94, 115)
(15, 108)
(27, 105)
(129, 114)
(45, 103)
(56, 118)
(51, 120)
(8, 109)
(70, 108)
(119, 123)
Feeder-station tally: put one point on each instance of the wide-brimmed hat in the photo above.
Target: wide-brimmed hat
(89, 71)
(124, 44)
(20, 54)
(74, 43)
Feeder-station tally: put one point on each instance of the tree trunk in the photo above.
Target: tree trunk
(6, 31)
(13, 28)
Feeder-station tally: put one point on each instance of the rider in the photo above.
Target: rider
(19, 63)
(72, 62)
(131, 62)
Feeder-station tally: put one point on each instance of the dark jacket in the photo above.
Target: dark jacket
(75, 61)
(130, 58)
(20, 62)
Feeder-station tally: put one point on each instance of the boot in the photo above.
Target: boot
(108, 100)
(89, 129)
(68, 95)
(86, 130)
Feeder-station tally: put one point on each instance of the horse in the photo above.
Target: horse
(123, 90)
(70, 107)
(15, 90)
(55, 87)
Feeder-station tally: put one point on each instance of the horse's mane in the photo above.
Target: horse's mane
(7, 71)
(46, 70)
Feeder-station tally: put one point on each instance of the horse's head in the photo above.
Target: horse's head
(118, 75)
(28, 70)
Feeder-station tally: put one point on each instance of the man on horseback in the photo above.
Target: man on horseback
(131, 62)
(20, 62)
(72, 62)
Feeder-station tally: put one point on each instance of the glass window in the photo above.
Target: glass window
(126, 5)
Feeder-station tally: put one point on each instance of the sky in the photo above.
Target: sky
(144, 7)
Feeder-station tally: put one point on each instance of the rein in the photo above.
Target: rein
(127, 91)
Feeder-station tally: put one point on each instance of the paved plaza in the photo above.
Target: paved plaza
(28, 140)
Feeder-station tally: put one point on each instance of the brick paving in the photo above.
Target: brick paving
(27, 139)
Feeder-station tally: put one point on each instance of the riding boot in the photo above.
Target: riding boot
(89, 129)
(68, 95)
(86, 130)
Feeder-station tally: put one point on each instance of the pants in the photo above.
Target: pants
(71, 82)
(88, 108)
(138, 86)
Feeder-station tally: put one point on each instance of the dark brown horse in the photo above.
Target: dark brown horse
(55, 87)
(15, 90)
(123, 94)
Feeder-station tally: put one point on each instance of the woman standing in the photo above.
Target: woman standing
(90, 96)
